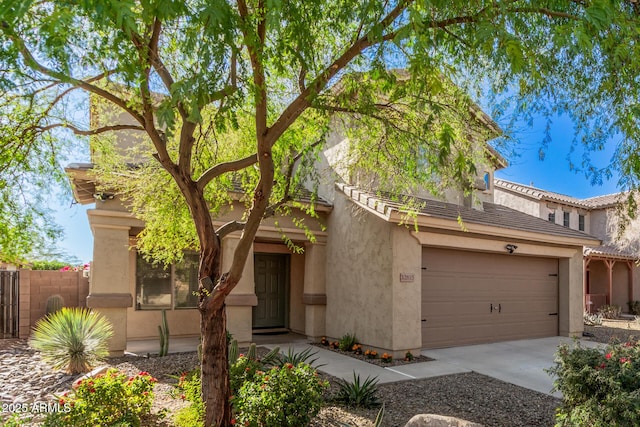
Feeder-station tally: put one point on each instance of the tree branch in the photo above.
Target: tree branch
(97, 131)
(32, 63)
(230, 227)
(303, 100)
(222, 168)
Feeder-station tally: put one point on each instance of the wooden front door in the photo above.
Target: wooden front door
(271, 277)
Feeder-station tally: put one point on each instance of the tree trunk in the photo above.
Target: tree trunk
(215, 368)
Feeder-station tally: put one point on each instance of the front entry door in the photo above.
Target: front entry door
(271, 274)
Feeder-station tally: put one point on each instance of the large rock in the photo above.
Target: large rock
(432, 420)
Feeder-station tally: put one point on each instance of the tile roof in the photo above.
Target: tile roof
(607, 251)
(300, 194)
(492, 214)
(596, 202)
(605, 201)
(539, 194)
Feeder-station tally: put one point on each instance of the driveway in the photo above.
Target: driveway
(519, 362)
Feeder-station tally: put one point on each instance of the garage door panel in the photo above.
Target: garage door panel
(460, 287)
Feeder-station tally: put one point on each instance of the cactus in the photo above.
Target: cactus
(164, 335)
(234, 353)
(54, 303)
(252, 353)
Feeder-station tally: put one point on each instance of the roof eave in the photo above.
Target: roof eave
(426, 220)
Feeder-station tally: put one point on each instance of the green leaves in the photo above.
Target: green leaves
(73, 339)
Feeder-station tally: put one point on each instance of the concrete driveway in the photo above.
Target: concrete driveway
(519, 362)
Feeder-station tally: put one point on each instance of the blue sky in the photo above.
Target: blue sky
(552, 174)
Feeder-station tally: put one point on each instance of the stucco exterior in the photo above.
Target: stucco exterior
(611, 275)
(359, 286)
(360, 274)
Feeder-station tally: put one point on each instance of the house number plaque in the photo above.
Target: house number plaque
(407, 277)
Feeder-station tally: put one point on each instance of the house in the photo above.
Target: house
(610, 271)
(464, 271)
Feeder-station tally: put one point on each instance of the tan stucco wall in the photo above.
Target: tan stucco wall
(570, 295)
(598, 224)
(359, 268)
(541, 209)
(517, 202)
(406, 303)
(296, 290)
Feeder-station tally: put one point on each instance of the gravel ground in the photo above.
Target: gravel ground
(614, 331)
(469, 396)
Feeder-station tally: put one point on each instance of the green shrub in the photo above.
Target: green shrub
(190, 388)
(358, 394)
(16, 420)
(283, 396)
(74, 339)
(610, 311)
(347, 342)
(111, 399)
(48, 265)
(601, 387)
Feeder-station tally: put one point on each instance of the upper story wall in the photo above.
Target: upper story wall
(565, 214)
(334, 164)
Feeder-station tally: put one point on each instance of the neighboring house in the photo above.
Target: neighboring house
(610, 272)
(469, 271)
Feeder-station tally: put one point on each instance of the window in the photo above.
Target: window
(159, 287)
(565, 219)
(552, 216)
(487, 181)
(581, 222)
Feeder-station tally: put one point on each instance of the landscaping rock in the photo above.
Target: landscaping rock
(431, 420)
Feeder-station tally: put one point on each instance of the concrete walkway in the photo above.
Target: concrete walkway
(518, 362)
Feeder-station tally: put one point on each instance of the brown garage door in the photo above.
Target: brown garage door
(476, 297)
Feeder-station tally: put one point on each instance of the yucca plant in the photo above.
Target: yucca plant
(73, 339)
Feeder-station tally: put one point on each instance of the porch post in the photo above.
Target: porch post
(242, 299)
(610, 265)
(315, 297)
(109, 292)
(630, 281)
(585, 287)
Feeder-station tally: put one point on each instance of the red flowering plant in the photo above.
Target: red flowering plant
(83, 267)
(112, 398)
(599, 385)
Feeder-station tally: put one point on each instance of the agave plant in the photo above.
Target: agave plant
(305, 356)
(358, 394)
(73, 339)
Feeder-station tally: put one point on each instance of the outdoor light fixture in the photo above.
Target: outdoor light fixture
(510, 248)
(103, 196)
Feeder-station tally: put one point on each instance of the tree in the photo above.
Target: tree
(248, 87)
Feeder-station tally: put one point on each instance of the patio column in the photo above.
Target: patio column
(109, 292)
(242, 299)
(609, 264)
(570, 293)
(630, 281)
(315, 297)
(585, 287)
